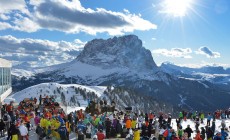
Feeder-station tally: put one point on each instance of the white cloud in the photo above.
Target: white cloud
(174, 52)
(25, 24)
(44, 52)
(207, 52)
(154, 38)
(72, 17)
(8, 6)
(4, 17)
(4, 25)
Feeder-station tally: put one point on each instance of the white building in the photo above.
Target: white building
(5, 79)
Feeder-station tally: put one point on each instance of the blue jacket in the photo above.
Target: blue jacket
(81, 127)
(217, 138)
(209, 117)
(224, 135)
(61, 120)
(62, 131)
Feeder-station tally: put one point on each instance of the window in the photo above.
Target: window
(5, 79)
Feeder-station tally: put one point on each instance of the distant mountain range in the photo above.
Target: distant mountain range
(216, 75)
(124, 62)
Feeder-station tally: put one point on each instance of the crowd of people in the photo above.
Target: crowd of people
(48, 120)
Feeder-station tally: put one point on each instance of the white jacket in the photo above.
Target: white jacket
(23, 130)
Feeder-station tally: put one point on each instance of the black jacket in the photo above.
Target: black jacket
(2, 125)
(13, 130)
(189, 131)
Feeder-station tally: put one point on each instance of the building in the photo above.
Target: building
(5, 79)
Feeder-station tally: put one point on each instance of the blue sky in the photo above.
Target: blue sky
(184, 32)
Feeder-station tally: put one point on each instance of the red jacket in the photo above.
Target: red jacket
(100, 136)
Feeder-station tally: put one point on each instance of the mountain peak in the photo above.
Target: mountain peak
(126, 52)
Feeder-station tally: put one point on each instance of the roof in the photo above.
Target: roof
(5, 63)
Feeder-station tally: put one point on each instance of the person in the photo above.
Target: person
(217, 136)
(68, 125)
(180, 132)
(100, 135)
(203, 132)
(119, 129)
(63, 132)
(133, 123)
(224, 134)
(40, 132)
(36, 120)
(40, 99)
(189, 131)
(202, 117)
(2, 128)
(48, 135)
(88, 130)
(14, 132)
(209, 117)
(80, 135)
(108, 127)
(7, 120)
(23, 131)
(213, 127)
(80, 126)
(32, 122)
(185, 136)
(180, 115)
(128, 123)
(169, 119)
(198, 137)
(223, 124)
(130, 135)
(157, 130)
(27, 121)
(197, 123)
(209, 133)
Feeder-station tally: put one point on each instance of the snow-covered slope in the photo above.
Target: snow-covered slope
(184, 125)
(51, 89)
(73, 96)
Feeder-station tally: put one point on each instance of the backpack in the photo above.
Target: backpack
(5, 118)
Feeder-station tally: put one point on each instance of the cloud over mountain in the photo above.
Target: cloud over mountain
(70, 17)
(43, 52)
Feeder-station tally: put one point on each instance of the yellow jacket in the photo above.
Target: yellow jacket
(133, 124)
(43, 122)
(67, 124)
(48, 123)
(57, 124)
(137, 135)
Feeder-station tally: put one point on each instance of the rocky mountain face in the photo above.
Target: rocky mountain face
(118, 52)
(124, 62)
